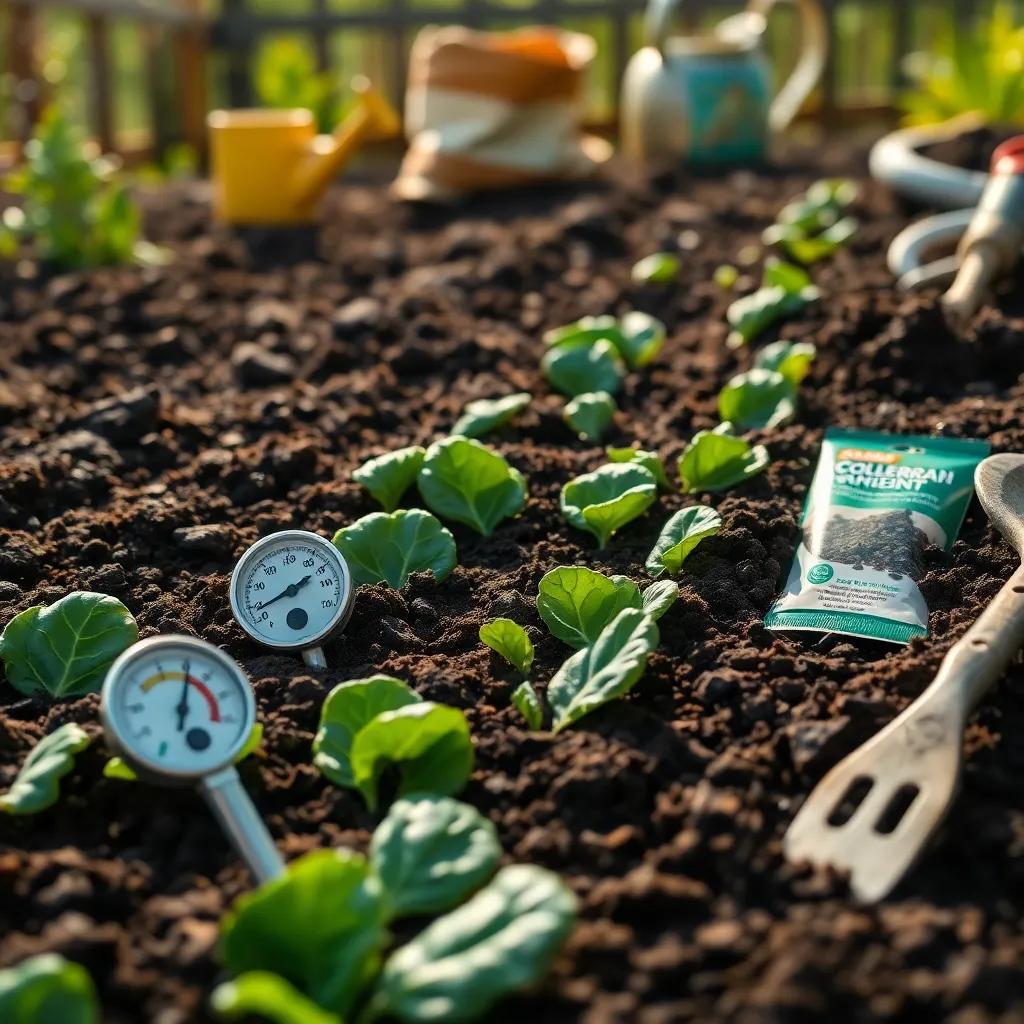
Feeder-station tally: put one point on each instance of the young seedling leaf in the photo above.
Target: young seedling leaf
(640, 339)
(487, 414)
(527, 702)
(320, 926)
(269, 996)
(609, 669)
(585, 331)
(757, 399)
(389, 547)
(780, 274)
(462, 479)
(716, 460)
(659, 597)
(431, 853)
(786, 290)
(658, 268)
(811, 248)
(679, 536)
(590, 414)
(577, 603)
(649, 460)
(509, 639)
(389, 476)
(37, 784)
(603, 502)
(118, 768)
(790, 358)
(65, 649)
(349, 707)
(47, 989)
(578, 367)
(499, 942)
(427, 743)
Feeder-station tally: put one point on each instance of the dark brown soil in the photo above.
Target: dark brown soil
(124, 421)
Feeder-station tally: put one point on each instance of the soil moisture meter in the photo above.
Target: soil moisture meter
(292, 591)
(179, 711)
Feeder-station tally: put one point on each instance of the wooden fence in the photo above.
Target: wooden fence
(194, 55)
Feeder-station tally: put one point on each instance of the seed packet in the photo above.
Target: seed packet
(876, 503)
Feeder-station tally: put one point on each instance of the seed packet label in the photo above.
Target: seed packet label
(876, 503)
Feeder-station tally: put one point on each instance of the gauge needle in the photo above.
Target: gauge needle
(182, 706)
(290, 591)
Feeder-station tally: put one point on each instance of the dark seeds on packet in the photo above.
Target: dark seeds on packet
(887, 541)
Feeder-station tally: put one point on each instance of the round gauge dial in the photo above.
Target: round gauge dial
(178, 706)
(291, 590)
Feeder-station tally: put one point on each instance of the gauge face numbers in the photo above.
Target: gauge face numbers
(291, 590)
(180, 708)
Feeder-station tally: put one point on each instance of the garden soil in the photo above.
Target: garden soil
(154, 422)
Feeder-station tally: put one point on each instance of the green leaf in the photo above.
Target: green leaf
(431, 853)
(585, 331)
(389, 547)
(427, 743)
(790, 358)
(268, 995)
(659, 597)
(609, 669)
(118, 768)
(810, 248)
(579, 367)
(679, 536)
(47, 989)
(603, 502)
(486, 414)
(499, 942)
(64, 650)
(590, 414)
(779, 274)
(757, 399)
(716, 460)
(389, 476)
(509, 639)
(649, 460)
(640, 340)
(786, 291)
(349, 707)
(577, 603)
(658, 268)
(527, 702)
(320, 926)
(462, 479)
(37, 785)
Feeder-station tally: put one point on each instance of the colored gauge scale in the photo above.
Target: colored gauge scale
(291, 591)
(179, 711)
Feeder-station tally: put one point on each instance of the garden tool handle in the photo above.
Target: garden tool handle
(979, 657)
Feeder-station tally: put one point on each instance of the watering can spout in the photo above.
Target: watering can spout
(329, 153)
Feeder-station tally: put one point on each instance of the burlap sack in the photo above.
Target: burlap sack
(490, 110)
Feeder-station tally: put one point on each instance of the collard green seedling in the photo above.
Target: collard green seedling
(649, 460)
(349, 707)
(757, 399)
(118, 768)
(716, 460)
(320, 926)
(427, 744)
(527, 702)
(679, 536)
(269, 996)
(578, 367)
(487, 414)
(584, 331)
(603, 502)
(790, 358)
(659, 597)
(501, 941)
(577, 603)
(640, 339)
(462, 479)
(389, 547)
(786, 291)
(509, 639)
(658, 268)
(811, 248)
(47, 989)
(389, 476)
(430, 853)
(820, 206)
(37, 785)
(608, 669)
(65, 649)
(590, 414)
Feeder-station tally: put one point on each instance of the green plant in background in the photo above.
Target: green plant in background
(287, 76)
(72, 211)
(47, 989)
(978, 70)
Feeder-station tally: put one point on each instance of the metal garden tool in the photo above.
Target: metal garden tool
(874, 811)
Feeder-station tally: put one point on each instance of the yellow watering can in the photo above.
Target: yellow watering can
(271, 167)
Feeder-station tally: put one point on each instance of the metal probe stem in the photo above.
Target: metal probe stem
(314, 657)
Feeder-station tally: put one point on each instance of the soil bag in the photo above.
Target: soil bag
(493, 110)
(876, 503)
